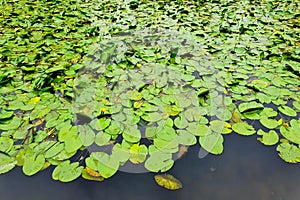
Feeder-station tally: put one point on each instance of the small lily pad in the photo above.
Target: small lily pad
(66, 171)
(289, 153)
(269, 138)
(243, 128)
(287, 111)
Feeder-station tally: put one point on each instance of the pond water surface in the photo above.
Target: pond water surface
(246, 170)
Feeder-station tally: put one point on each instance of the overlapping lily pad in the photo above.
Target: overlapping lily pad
(131, 85)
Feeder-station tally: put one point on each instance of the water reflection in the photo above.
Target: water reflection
(246, 170)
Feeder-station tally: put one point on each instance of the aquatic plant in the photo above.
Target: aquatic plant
(89, 87)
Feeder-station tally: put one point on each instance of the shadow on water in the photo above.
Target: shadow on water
(246, 170)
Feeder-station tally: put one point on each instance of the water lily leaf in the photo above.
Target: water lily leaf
(150, 132)
(100, 124)
(291, 133)
(106, 165)
(287, 111)
(132, 135)
(166, 146)
(152, 117)
(198, 129)
(269, 138)
(268, 112)
(138, 153)
(134, 95)
(289, 153)
(92, 175)
(102, 138)
(33, 163)
(180, 122)
(54, 150)
(268, 122)
(220, 127)
(213, 143)
(250, 106)
(296, 105)
(168, 181)
(66, 171)
(186, 138)
(172, 110)
(114, 128)
(6, 114)
(63, 155)
(121, 153)
(86, 135)
(69, 135)
(243, 128)
(159, 161)
(167, 133)
(11, 124)
(192, 114)
(7, 163)
(6, 144)
(236, 117)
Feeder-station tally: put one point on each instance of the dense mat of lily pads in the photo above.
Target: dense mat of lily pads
(90, 86)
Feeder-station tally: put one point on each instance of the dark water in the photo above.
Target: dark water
(247, 170)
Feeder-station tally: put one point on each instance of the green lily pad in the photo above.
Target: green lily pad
(269, 138)
(243, 128)
(106, 165)
(292, 133)
(289, 153)
(198, 129)
(7, 163)
(6, 144)
(250, 106)
(66, 171)
(159, 161)
(138, 153)
(269, 123)
(86, 135)
(54, 150)
(213, 143)
(186, 138)
(102, 138)
(287, 111)
(33, 163)
(220, 127)
(180, 122)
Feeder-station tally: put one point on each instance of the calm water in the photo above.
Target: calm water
(246, 170)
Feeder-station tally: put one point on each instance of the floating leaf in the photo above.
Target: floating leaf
(213, 143)
(106, 165)
(292, 133)
(289, 153)
(269, 138)
(268, 122)
(66, 171)
(250, 106)
(92, 175)
(186, 138)
(7, 163)
(33, 163)
(220, 127)
(243, 128)
(287, 111)
(168, 181)
(138, 153)
(152, 117)
(86, 135)
(6, 144)
(159, 162)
